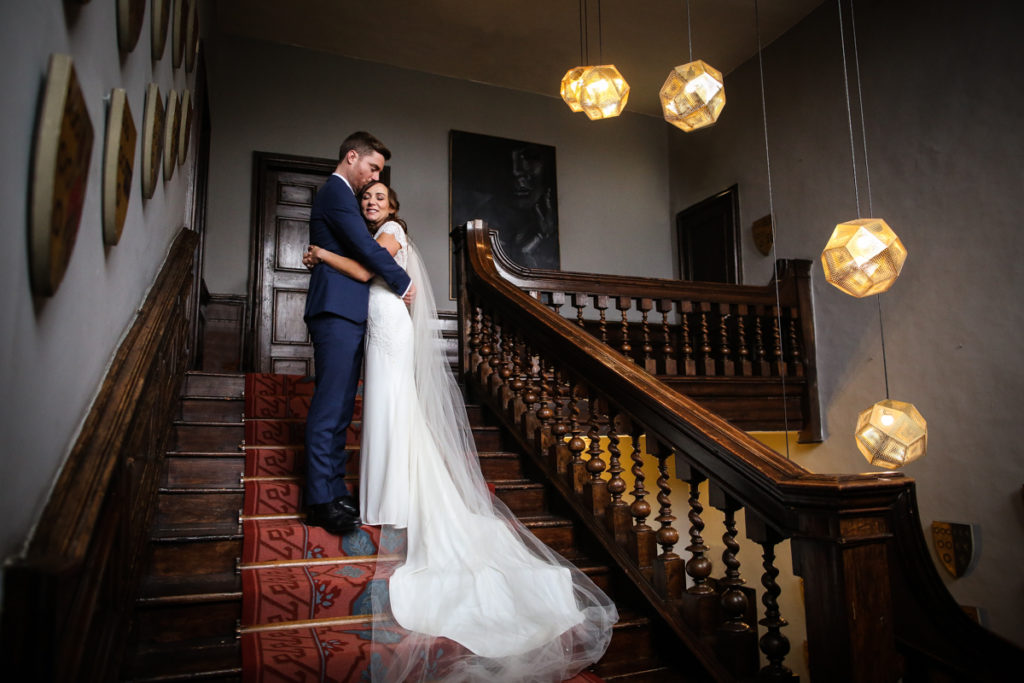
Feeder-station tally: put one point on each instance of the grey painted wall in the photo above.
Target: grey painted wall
(612, 175)
(943, 112)
(55, 351)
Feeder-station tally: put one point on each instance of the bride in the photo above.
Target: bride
(469, 593)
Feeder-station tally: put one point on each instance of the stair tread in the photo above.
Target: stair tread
(197, 532)
(154, 587)
(186, 660)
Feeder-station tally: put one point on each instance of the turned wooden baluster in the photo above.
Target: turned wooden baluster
(617, 517)
(668, 352)
(546, 409)
(475, 339)
(623, 304)
(579, 302)
(601, 304)
(559, 453)
(746, 366)
(778, 358)
(727, 366)
(761, 364)
(736, 642)
(577, 469)
(707, 357)
(700, 601)
(645, 305)
(517, 382)
(531, 396)
(774, 644)
(595, 490)
(689, 364)
(669, 576)
(485, 368)
(555, 301)
(642, 541)
(796, 360)
(500, 380)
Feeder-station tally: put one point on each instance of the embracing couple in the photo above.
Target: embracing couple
(463, 591)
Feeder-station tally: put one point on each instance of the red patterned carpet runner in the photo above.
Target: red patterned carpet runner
(305, 592)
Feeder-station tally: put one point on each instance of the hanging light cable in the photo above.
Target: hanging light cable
(570, 86)
(603, 91)
(771, 212)
(890, 433)
(693, 95)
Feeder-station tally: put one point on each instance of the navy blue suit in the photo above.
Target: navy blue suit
(336, 317)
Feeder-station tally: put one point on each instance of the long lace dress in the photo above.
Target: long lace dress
(474, 596)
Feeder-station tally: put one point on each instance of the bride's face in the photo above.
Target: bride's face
(374, 204)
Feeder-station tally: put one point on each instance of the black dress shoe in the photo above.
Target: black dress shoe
(333, 518)
(347, 504)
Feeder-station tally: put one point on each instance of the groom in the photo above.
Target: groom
(336, 318)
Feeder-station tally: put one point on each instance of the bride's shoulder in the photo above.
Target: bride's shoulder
(392, 228)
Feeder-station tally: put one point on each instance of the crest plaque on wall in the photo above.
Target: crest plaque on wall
(158, 27)
(192, 36)
(172, 120)
(179, 19)
(118, 164)
(185, 130)
(60, 173)
(954, 544)
(764, 234)
(152, 139)
(130, 14)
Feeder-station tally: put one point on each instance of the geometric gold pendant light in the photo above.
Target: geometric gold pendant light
(598, 91)
(693, 96)
(694, 93)
(863, 257)
(891, 434)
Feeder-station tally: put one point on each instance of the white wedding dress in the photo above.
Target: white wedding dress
(472, 573)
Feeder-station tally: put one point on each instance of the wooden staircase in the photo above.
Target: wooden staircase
(189, 601)
(187, 611)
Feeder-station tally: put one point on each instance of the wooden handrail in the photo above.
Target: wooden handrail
(789, 357)
(850, 533)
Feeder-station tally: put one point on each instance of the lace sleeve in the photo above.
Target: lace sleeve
(394, 229)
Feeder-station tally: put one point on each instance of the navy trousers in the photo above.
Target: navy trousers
(338, 354)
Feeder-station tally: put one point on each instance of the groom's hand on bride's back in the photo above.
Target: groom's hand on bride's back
(410, 294)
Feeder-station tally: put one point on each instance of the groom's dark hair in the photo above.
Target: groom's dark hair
(363, 143)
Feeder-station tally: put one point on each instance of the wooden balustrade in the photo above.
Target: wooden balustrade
(873, 597)
(735, 349)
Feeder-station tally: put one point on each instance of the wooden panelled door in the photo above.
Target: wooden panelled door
(283, 192)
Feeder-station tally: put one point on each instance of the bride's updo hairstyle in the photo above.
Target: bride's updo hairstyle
(393, 205)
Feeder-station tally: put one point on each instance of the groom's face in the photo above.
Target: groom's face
(366, 167)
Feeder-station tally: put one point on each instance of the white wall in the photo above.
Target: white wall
(612, 175)
(943, 103)
(55, 350)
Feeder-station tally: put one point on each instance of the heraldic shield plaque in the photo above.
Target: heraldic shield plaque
(954, 544)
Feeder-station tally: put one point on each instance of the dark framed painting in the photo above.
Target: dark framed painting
(511, 184)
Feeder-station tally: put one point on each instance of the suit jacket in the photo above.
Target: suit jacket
(336, 225)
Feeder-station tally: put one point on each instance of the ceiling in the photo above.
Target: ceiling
(524, 45)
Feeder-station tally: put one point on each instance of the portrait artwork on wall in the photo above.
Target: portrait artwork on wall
(152, 139)
(60, 174)
(118, 164)
(511, 185)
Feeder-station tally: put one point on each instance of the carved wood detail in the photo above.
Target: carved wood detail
(67, 602)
